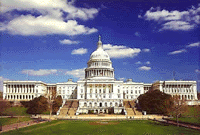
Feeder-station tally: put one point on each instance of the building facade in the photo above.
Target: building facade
(99, 91)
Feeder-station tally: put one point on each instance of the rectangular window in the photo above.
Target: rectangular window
(136, 92)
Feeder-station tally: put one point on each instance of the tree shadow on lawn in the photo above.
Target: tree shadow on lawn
(159, 123)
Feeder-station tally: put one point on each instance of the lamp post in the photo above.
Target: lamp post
(50, 112)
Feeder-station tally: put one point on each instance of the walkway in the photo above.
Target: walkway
(104, 116)
(14, 126)
(179, 124)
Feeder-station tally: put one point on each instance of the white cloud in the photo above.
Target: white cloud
(164, 14)
(121, 79)
(177, 25)
(145, 68)
(138, 62)
(30, 25)
(137, 34)
(116, 51)
(148, 62)
(78, 73)
(177, 52)
(174, 20)
(1, 82)
(197, 44)
(68, 42)
(40, 72)
(197, 71)
(146, 50)
(79, 51)
(54, 17)
(83, 13)
(49, 6)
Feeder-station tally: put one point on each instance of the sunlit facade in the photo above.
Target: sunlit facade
(99, 91)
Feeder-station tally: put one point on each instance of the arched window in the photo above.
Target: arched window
(85, 104)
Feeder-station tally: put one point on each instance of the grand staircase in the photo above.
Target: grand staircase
(130, 108)
(69, 108)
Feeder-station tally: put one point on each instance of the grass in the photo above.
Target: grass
(8, 121)
(136, 127)
(16, 111)
(189, 119)
(192, 115)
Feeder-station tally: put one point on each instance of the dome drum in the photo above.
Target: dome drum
(98, 64)
(90, 73)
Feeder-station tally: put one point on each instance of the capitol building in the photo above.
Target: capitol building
(99, 91)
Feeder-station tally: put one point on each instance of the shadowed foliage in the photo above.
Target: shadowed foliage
(38, 105)
(3, 106)
(57, 104)
(155, 102)
(198, 96)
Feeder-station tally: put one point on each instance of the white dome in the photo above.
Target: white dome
(99, 65)
(99, 54)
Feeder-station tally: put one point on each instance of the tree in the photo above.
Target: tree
(3, 106)
(38, 105)
(198, 95)
(179, 106)
(1, 95)
(155, 102)
(57, 103)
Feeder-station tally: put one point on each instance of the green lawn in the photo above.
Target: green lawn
(189, 119)
(137, 127)
(8, 121)
(192, 115)
(16, 111)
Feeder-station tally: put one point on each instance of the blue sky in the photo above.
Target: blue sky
(51, 40)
